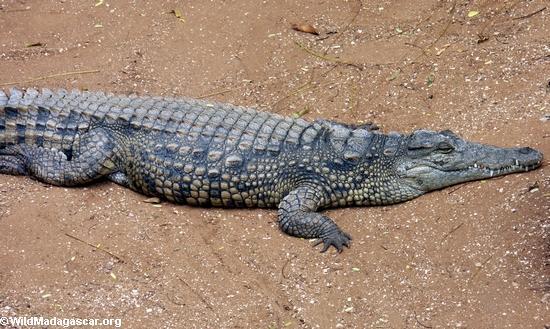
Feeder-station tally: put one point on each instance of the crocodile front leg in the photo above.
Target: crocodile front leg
(94, 159)
(297, 217)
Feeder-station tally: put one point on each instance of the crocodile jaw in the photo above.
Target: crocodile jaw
(473, 162)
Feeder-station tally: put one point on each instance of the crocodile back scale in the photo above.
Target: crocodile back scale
(212, 154)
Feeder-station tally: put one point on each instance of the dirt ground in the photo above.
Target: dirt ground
(470, 256)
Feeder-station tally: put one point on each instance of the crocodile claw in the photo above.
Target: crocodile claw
(337, 238)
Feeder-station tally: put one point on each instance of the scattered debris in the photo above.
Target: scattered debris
(420, 323)
(99, 3)
(306, 28)
(473, 13)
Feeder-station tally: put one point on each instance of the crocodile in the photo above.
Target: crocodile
(204, 153)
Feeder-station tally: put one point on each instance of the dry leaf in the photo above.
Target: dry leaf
(306, 28)
(152, 200)
(99, 3)
(177, 13)
(35, 44)
(473, 13)
(299, 114)
(440, 51)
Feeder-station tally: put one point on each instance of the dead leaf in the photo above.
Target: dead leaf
(299, 114)
(99, 3)
(152, 200)
(35, 44)
(473, 13)
(177, 13)
(440, 51)
(306, 28)
(481, 38)
(394, 75)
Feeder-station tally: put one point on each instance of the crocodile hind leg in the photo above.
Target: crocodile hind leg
(94, 159)
(12, 165)
(120, 178)
(297, 217)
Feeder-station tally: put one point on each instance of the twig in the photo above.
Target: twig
(14, 10)
(424, 50)
(96, 247)
(49, 77)
(531, 14)
(354, 100)
(346, 27)
(456, 189)
(325, 57)
(449, 22)
(308, 85)
(203, 300)
(298, 90)
(215, 93)
(284, 267)
(451, 232)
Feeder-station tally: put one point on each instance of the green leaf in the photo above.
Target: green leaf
(430, 80)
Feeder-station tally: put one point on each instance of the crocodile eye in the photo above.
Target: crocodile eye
(445, 147)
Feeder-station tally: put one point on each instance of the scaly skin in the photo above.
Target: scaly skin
(210, 154)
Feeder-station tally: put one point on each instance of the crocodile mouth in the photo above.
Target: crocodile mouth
(489, 171)
(426, 175)
(476, 168)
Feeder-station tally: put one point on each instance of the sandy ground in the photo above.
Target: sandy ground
(470, 256)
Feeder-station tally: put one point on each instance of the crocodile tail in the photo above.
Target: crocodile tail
(43, 118)
(21, 121)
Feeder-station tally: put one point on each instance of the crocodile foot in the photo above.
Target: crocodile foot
(336, 238)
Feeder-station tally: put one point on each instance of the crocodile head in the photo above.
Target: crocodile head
(433, 160)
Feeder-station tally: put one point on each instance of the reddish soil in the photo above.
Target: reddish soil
(470, 256)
